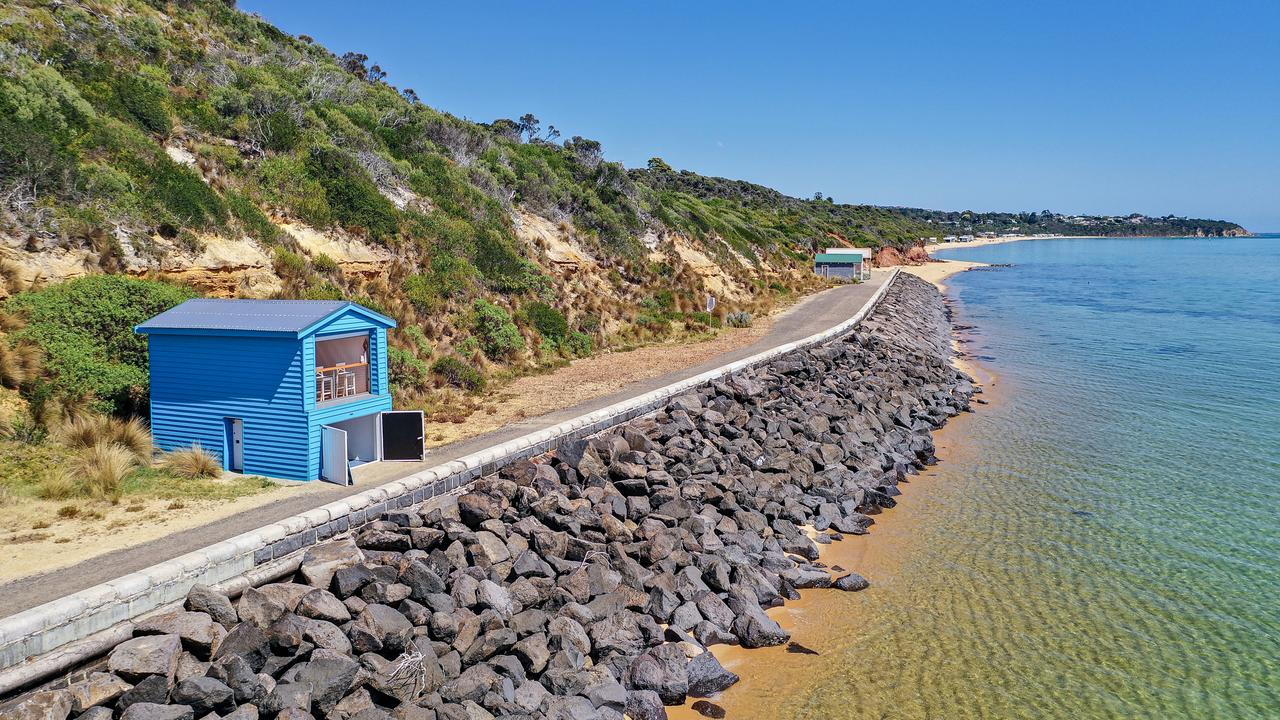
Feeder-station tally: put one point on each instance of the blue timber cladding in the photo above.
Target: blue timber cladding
(258, 366)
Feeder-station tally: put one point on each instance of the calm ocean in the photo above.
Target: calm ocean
(1103, 539)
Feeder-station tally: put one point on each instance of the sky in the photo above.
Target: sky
(1084, 106)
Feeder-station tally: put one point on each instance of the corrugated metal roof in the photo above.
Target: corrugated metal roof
(832, 258)
(249, 316)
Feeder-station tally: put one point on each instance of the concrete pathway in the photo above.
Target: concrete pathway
(810, 316)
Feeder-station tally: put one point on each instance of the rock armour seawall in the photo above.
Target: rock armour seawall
(583, 584)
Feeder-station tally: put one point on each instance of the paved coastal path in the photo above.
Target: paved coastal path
(810, 316)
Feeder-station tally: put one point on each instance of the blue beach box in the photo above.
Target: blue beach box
(291, 389)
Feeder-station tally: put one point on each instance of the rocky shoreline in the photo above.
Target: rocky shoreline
(583, 584)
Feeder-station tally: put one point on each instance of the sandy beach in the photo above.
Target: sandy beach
(979, 242)
(937, 271)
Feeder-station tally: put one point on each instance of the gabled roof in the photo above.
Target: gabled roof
(294, 318)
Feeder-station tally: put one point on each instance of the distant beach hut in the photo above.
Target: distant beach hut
(847, 263)
(292, 389)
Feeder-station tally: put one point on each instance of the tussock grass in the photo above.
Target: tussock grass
(101, 470)
(18, 363)
(58, 485)
(193, 462)
(90, 431)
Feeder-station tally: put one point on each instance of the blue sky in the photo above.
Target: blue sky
(1082, 106)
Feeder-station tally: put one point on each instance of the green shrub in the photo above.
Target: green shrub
(85, 328)
(176, 192)
(456, 372)
(548, 321)
(285, 180)
(279, 132)
(147, 100)
(407, 371)
(703, 320)
(578, 344)
(738, 319)
(450, 276)
(255, 223)
(323, 263)
(289, 265)
(498, 335)
(418, 338)
(323, 291)
(656, 323)
(354, 198)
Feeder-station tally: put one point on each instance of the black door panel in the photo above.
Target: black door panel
(402, 436)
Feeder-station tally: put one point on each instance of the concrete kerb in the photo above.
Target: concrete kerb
(27, 635)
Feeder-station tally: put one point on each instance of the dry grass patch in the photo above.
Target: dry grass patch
(193, 462)
(90, 431)
(102, 469)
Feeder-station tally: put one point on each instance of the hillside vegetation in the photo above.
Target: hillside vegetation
(192, 143)
(201, 150)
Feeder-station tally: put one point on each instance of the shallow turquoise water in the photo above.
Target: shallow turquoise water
(1143, 429)
(1103, 540)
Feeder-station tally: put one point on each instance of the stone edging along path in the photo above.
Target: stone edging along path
(40, 631)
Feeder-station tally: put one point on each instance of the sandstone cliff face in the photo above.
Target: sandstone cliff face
(219, 267)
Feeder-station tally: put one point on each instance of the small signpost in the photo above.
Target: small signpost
(711, 303)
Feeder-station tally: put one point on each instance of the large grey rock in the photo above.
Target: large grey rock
(258, 608)
(380, 628)
(645, 705)
(753, 627)
(852, 583)
(150, 689)
(287, 695)
(329, 675)
(707, 676)
(495, 597)
(247, 641)
(320, 562)
(472, 684)
(475, 507)
(148, 655)
(154, 711)
(320, 604)
(203, 694)
(235, 672)
(202, 598)
(533, 652)
(285, 594)
(662, 670)
(198, 631)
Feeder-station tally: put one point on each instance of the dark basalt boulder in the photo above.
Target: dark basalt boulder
(203, 694)
(851, 583)
(707, 676)
(155, 711)
(662, 670)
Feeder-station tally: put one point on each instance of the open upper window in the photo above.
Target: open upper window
(342, 367)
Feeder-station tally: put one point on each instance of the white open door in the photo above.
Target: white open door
(333, 456)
